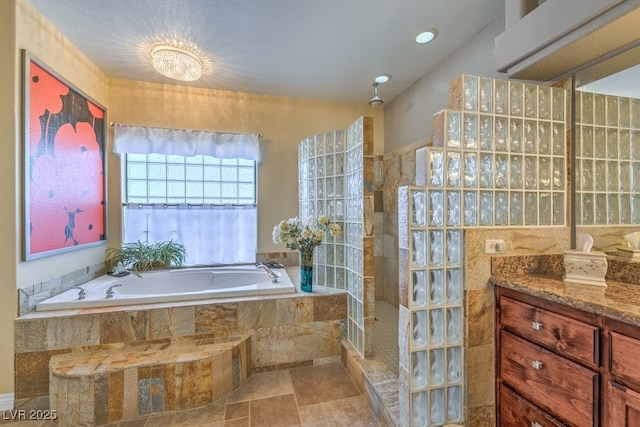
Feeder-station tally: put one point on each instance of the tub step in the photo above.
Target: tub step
(107, 386)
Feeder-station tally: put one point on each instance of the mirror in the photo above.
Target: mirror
(607, 149)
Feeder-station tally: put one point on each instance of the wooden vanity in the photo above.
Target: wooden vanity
(566, 355)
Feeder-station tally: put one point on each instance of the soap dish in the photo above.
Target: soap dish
(628, 252)
(588, 268)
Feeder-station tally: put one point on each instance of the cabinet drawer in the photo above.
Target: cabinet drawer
(625, 359)
(568, 337)
(566, 390)
(515, 411)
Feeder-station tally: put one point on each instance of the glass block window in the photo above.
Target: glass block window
(205, 203)
(159, 178)
(607, 159)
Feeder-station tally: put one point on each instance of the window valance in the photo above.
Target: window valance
(146, 140)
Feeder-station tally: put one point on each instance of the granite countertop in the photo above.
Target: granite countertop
(618, 301)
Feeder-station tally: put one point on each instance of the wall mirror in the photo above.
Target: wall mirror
(607, 149)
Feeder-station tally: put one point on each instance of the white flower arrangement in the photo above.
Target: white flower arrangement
(304, 235)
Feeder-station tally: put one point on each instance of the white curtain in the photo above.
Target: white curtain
(145, 140)
(233, 238)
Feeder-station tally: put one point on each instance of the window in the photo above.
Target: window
(205, 203)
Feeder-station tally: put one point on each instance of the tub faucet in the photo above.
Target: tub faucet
(82, 294)
(272, 274)
(110, 291)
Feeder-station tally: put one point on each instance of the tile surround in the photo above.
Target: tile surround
(285, 331)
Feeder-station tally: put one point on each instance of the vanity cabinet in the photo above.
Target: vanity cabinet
(548, 363)
(560, 366)
(623, 369)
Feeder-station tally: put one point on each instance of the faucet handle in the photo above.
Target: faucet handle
(110, 291)
(82, 293)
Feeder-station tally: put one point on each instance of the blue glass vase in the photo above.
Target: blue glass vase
(306, 270)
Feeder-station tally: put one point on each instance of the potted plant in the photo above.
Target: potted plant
(139, 256)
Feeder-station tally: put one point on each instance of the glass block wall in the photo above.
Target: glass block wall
(321, 172)
(498, 160)
(607, 135)
(434, 359)
(335, 179)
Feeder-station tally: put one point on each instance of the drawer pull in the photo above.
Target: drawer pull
(536, 364)
(535, 424)
(536, 325)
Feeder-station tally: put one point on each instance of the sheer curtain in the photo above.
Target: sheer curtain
(146, 140)
(210, 234)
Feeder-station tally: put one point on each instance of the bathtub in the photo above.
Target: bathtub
(172, 285)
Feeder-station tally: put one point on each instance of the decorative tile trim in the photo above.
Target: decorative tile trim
(30, 296)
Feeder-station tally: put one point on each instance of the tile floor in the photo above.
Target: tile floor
(385, 332)
(318, 396)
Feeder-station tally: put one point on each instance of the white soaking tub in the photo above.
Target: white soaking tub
(172, 285)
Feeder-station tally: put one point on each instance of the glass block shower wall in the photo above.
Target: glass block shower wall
(498, 159)
(607, 159)
(335, 179)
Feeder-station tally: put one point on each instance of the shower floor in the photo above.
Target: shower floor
(385, 338)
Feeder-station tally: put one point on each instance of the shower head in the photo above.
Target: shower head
(376, 101)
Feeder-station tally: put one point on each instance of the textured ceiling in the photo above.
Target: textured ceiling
(328, 50)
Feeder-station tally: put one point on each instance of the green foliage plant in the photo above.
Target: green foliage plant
(140, 257)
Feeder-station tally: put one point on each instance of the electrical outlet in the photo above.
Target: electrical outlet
(493, 246)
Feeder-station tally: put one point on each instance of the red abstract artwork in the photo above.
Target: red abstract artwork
(65, 179)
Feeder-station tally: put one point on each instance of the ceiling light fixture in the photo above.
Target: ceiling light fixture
(376, 101)
(177, 64)
(426, 36)
(382, 78)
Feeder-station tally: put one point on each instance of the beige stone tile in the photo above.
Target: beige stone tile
(240, 422)
(312, 416)
(285, 311)
(75, 331)
(199, 382)
(123, 327)
(265, 384)
(278, 411)
(480, 375)
(130, 398)
(32, 373)
(30, 335)
(236, 410)
(273, 346)
(116, 396)
(330, 307)
(172, 322)
(352, 412)
(164, 420)
(322, 383)
(304, 311)
(316, 339)
(216, 318)
(480, 308)
(257, 314)
(482, 416)
(209, 415)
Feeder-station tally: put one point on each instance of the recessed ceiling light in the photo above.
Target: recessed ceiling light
(426, 36)
(382, 78)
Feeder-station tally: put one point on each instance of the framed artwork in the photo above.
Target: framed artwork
(64, 171)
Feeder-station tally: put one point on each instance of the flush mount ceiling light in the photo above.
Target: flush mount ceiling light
(177, 64)
(382, 78)
(376, 101)
(426, 36)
